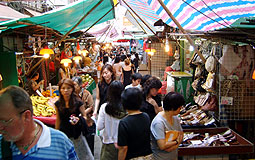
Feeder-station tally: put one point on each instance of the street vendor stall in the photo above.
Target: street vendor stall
(213, 141)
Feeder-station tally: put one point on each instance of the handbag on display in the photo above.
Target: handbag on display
(209, 83)
(211, 104)
(198, 71)
(210, 64)
(201, 99)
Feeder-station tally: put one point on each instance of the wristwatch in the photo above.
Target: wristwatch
(176, 142)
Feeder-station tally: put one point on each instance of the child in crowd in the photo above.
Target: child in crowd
(136, 80)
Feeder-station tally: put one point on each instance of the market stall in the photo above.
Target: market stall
(213, 141)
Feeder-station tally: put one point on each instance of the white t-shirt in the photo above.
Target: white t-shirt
(130, 86)
(109, 124)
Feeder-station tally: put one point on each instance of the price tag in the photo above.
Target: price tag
(226, 101)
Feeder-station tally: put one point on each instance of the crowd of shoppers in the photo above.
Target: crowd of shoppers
(127, 111)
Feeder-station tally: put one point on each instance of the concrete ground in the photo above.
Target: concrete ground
(98, 142)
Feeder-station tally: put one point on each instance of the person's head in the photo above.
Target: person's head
(136, 55)
(117, 59)
(114, 106)
(98, 58)
(105, 59)
(144, 79)
(77, 84)
(66, 91)
(16, 113)
(136, 79)
(129, 56)
(151, 86)
(173, 101)
(127, 62)
(123, 57)
(131, 98)
(107, 73)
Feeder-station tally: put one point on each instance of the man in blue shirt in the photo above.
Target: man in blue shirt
(25, 137)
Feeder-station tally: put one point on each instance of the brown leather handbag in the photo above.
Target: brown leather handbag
(211, 104)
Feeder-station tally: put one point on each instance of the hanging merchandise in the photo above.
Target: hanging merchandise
(198, 71)
(201, 99)
(210, 64)
(39, 42)
(209, 83)
(211, 104)
(230, 60)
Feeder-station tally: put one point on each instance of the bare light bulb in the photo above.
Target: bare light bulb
(167, 48)
(77, 61)
(151, 53)
(191, 48)
(79, 51)
(46, 56)
(66, 64)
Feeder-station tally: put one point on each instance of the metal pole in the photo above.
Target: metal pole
(137, 21)
(183, 31)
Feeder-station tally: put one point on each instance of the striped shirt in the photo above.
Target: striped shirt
(52, 145)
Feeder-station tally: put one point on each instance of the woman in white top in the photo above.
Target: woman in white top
(110, 114)
(117, 67)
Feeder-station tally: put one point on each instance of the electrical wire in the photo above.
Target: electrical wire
(230, 27)
(204, 14)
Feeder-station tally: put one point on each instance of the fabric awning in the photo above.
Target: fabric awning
(202, 15)
(64, 18)
(7, 13)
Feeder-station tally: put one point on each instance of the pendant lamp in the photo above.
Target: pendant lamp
(65, 61)
(84, 52)
(46, 51)
(150, 51)
(77, 59)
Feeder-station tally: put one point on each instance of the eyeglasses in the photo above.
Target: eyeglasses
(8, 122)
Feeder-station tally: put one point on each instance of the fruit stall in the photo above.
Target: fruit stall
(88, 82)
(44, 108)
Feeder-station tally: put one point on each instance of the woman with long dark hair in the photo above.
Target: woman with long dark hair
(108, 119)
(69, 107)
(107, 76)
(150, 90)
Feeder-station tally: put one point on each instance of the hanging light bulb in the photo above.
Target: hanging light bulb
(191, 48)
(77, 59)
(46, 52)
(167, 48)
(66, 64)
(46, 56)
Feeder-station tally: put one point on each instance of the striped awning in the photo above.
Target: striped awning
(202, 15)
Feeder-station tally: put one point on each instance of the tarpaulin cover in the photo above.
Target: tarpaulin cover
(203, 15)
(64, 18)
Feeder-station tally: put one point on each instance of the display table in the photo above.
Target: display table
(47, 120)
(243, 147)
(180, 82)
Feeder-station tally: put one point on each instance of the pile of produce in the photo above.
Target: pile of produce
(41, 106)
(47, 93)
(86, 80)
